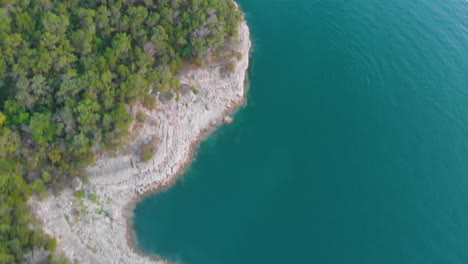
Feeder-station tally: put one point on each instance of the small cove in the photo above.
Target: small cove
(352, 147)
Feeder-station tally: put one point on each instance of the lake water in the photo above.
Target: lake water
(353, 147)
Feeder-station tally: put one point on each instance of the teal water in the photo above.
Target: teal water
(353, 147)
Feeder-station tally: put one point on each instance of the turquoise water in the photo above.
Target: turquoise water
(353, 147)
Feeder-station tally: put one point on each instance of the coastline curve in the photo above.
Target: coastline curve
(100, 231)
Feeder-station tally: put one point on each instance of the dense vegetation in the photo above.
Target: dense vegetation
(69, 72)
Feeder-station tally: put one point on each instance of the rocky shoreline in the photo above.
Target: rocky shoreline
(93, 227)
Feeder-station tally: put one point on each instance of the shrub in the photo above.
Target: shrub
(149, 149)
(93, 197)
(43, 195)
(195, 90)
(58, 259)
(51, 244)
(46, 177)
(79, 194)
(38, 186)
(2, 118)
(238, 55)
(149, 101)
(141, 117)
(230, 67)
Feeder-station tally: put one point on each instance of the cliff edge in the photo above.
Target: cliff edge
(93, 228)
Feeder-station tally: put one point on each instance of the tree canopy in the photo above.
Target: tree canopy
(70, 70)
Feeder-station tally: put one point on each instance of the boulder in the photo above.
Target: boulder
(185, 90)
(112, 213)
(213, 122)
(166, 97)
(227, 120)
(77, 184)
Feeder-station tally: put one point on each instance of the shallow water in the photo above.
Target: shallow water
(353, 147)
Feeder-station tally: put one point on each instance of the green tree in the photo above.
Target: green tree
(42, 127)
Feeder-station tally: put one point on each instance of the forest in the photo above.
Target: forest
(70, 71)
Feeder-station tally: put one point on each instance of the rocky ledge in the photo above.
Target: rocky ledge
(93, 228)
